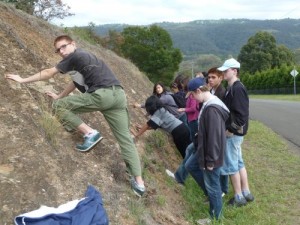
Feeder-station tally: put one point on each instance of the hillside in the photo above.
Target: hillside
(36, 169)
(222, 37)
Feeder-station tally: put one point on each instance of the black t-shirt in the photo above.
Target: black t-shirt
(95, 72)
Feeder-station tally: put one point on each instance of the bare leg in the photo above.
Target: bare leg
(244, 179)
(236, 183)
(139, 180)
(84, 129)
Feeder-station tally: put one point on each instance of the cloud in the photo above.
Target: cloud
(142, 12)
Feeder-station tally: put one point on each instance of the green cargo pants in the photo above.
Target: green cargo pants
(112, 103)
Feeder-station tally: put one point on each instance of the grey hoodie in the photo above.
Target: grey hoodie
(211, 134)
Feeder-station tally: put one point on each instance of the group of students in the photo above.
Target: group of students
(210, 140)
(220, 121)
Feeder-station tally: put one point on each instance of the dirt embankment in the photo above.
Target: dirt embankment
(35, 171)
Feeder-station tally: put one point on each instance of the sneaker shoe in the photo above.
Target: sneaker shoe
(139, 190)
(223, 194)
(204, 221)
(170, 174)
(249, 197)
(237, 203)
(89, 142)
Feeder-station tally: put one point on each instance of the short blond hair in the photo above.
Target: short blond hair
(205, 88)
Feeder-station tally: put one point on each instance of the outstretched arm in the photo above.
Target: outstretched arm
(68, 89)
(42, 75)
(142, 130)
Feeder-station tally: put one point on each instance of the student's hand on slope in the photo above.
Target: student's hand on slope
(14, 77)
(52, 95)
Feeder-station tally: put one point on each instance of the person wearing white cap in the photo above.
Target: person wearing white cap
(237, 101)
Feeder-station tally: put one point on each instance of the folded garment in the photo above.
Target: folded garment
(86, 211)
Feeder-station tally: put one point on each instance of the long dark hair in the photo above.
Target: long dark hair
(152, 104)
(182, 80)
(160, 84)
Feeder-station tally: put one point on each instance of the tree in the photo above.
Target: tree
(113, 41)
(44, 9)
(297, 56)
(205, 62)
(261, 53)
(50, 9)
(87, 33)
(151, 50)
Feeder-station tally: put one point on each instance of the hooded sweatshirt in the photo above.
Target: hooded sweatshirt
(211, 134)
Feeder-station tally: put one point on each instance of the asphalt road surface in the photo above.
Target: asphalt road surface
(283, 117)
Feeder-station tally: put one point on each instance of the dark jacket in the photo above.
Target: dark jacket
(220, 92)
(237, 101)
(212, 136)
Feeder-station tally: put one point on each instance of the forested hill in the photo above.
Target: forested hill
(222, 37)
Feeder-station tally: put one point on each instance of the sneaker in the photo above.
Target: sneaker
(139, 190)
(204, 221)
(170, 174)
(223, 194)
(249, 197)
(89, 142)
(237, 203)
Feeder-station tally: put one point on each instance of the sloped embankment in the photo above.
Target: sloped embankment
(35, 171)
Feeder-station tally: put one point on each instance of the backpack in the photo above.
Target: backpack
(179, 100)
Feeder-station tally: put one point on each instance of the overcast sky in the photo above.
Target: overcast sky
(145, 12)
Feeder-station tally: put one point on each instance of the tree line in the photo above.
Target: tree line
(264, 63)
(271, 80)
(221, 37)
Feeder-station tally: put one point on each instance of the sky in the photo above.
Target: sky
(146, 12)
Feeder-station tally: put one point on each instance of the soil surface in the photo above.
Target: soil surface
(38, 162)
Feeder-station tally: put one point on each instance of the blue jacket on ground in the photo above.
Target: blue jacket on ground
(86, 211)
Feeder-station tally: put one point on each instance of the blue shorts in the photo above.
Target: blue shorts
(233, 161)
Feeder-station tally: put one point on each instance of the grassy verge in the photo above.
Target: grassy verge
(277, 97)
(273, 173)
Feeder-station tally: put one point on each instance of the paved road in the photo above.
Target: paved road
(283, 117)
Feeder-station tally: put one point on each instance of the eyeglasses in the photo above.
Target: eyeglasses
(62, 47)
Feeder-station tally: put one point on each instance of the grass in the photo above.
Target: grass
(137, 209)
(277, 97)
(273, 173)
(48, 123)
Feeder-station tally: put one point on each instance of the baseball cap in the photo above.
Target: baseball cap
(229, 63)
(196, 83)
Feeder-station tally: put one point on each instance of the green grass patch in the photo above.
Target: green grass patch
(157, 140)
(161, 200)
(273, 174)
(277, 97)
(137, 209)
(48, 123)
